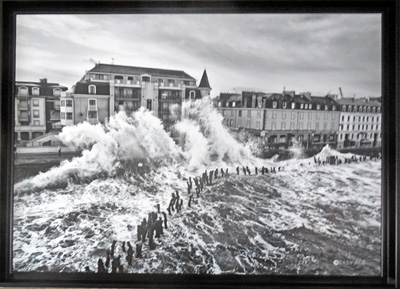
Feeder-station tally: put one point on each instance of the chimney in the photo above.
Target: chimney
(253, 101)
(43, 80)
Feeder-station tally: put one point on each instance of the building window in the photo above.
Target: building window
(239, 123)
(273, 125)
(56, 92)
(367, 118)
(233, 103)
(69, 115)
(274, 114)
(232, 112)
(192, 94)
(22, 91)
(333, 107)
(310, 115)
(249, 113)
(373, 109)
(318, 115)
(258, 114)
(366, 127)
(258, 125)
(342, 118)
(301, 115)
(62, 115)
(308, 125)
(332, 125)
(91, 114)
(355, 108)
(36, 113)
(171, 81)
(92, 89)
(248, 124)
(293, 114)
(283, 125)
(292, 125)
(369, 109)
(63, 102)
(348, 118)
(317, 126)
(372, 119)
(301, 105)
(92, 102)
(349, 108)
(293, 105)
(306, 105)
(325, 126)
(377, 119)
(378, 109)
(300, 126)
(326, 107)
(332, 116)
(69, 103)
(372, 127)
(343, 108)
(348, 127)
(310, 106)
(354, 126)
(146, 78)
(35, 90)
(35, 102)
(283, 114)
(274, 104)
(240, 113)
(186, 82)
(284, 105)
(36, 122)
(325, 115)
(318, 106)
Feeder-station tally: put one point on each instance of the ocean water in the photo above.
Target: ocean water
(305, 219)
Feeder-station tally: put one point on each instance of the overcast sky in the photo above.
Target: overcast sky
(302, 52)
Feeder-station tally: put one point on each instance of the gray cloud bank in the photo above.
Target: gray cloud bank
(303, 52)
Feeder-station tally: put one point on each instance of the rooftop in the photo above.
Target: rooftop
(134, 70)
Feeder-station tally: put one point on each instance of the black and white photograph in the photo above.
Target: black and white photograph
(246, 144)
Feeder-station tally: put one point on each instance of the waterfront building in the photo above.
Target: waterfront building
(282, 118)
(313, 121)
(107, 89)
(360, 123)
(37, 109)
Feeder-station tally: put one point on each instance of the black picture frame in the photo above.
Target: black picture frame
(390, 275)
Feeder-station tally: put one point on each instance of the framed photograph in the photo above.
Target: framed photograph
(198, 144)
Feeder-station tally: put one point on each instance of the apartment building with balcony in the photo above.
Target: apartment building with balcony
(283, 118)
(360, 123)
(37, 108)
(107, 89)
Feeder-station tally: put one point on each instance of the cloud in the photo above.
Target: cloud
(313, 52)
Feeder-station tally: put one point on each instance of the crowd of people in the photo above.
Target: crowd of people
(157, 221)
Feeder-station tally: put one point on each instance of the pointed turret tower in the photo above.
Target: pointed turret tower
(204, 85)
